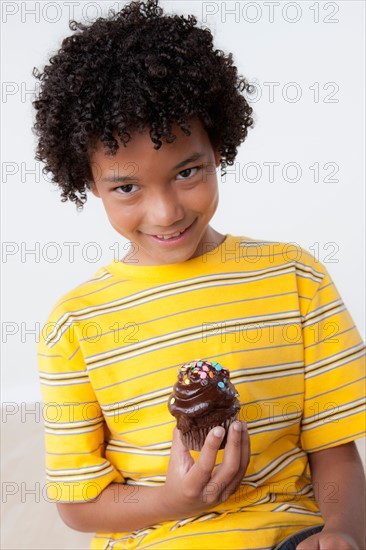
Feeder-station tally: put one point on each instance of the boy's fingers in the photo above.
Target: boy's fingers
(229, 468)
(235, 461)
(311, 543)
(244, 461)
(201, 472)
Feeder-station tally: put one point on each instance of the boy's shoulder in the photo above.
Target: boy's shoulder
(78, 303)
(82, 295)
(262, 253)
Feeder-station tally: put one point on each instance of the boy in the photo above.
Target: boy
(140, 109)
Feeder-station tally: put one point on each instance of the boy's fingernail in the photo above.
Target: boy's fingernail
(237, 426)
(218, 431)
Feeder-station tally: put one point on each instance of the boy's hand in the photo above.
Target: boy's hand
(329, 539)
(193, 487)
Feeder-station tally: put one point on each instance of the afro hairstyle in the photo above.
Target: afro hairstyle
(135, 69)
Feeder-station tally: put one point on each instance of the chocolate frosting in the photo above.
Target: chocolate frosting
(203, 396)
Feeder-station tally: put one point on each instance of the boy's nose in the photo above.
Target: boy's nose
(165, 210)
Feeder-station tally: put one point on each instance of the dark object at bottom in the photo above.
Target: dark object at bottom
(293, 540)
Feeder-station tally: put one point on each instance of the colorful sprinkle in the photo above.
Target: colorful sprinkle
(218, 367)
(203, 374)
(172, 400)
(221, 385)
(210, 374)
(199, 363)
(214, 363)
(187, 381)
(205, 368)
(204, 382)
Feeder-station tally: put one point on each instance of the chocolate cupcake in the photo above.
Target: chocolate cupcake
(202, 398)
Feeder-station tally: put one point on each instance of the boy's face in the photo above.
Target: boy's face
(161, 200)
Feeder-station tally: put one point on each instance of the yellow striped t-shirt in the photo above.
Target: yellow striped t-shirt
(109, 356)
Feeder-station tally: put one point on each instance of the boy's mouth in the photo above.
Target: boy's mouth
(172, 236)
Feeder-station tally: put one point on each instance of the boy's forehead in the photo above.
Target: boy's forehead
(139, 158)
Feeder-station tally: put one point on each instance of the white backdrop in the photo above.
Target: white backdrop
(298, 178)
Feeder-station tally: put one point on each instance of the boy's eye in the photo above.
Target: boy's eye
(126, 189)
(188, 172)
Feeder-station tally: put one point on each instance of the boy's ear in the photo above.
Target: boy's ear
(93, 189)
(217, 158)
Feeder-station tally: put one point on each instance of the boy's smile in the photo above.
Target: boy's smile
(161, 200)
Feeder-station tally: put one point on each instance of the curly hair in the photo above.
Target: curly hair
(133, 70)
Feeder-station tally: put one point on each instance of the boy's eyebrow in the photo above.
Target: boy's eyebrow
(192, 158)
(122, 179)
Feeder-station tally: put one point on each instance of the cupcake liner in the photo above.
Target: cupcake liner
(195, 438)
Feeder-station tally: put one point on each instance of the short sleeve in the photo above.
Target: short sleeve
(334, 407)
(75, 429)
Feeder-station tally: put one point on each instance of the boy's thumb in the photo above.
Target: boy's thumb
(178, 448)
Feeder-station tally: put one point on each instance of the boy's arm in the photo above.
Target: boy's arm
(119, 507)
(339, 485)
(190, 488)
